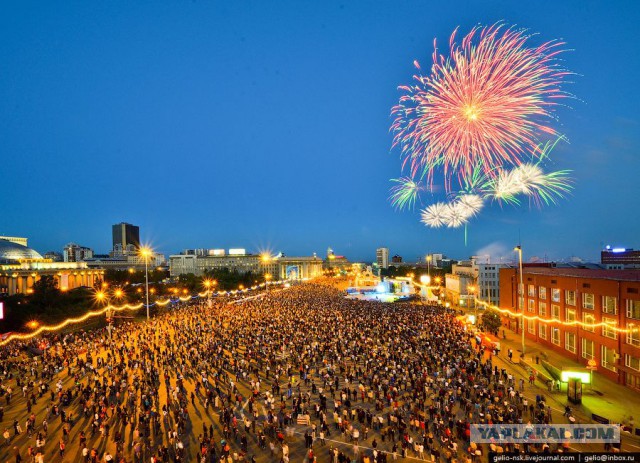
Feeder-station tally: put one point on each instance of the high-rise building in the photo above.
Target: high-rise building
(75, 253)
(382, 257)
(126, 235)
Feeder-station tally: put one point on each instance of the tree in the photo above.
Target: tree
(45, 292)
(491, 321)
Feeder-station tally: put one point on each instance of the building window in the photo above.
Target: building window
(632, 362)
(633, 309)
(542, 309)
(521, 303)
(588, 301)
(555, 335)
(531, 305)
(555, 312)
(570, 297)
(633, 336)
(531, 326)
(520, 289)
(531, 292)
(608, 359)
(570, 342)
(588, 349)
(542, 292)
(542, 331)
(607, 328)
(555, 294)
(588, 319)
(609, 305)
(570, 315)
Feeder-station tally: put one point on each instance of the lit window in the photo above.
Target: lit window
(588, 319)
(588, 349)
(542, 309)
(555, 335)
(588, 301)
(570, 342)
(607, 328)
(608, 359)
(633, 309)
(570, 297)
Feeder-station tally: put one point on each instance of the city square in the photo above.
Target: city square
(342, 232)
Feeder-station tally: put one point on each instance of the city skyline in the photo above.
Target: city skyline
(268, 127)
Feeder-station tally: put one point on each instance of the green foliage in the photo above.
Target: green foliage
(491, 321)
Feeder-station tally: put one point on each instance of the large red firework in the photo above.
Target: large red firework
(487, 105)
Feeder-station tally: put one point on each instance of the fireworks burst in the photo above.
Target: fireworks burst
(435, 215)
(405, 193)
(476, 120)
(485, 104)
(471, 203)
(456, 215)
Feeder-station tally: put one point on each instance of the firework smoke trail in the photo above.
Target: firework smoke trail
(485, 104)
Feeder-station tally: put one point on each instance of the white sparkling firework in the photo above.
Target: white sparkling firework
(456, 215)
(472, 203)
(527, 178)
(434, 215)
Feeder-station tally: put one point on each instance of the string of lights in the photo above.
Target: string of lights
(610, 325)
(130, 307)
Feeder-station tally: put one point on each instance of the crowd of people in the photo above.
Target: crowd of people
(300, 374)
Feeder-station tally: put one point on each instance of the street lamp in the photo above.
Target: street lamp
(424, 280)
(471, 289)
(209, 284)
(518, 249)
(267, 277)
(145, 252)
(102, 297)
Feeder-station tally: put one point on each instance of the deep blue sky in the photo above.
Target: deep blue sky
(264, 124)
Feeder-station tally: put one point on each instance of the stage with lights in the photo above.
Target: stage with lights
(389, 290)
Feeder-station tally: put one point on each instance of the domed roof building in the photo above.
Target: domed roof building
(11, 252)
(21, 267)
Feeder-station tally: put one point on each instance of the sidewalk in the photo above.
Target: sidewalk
(604, 397)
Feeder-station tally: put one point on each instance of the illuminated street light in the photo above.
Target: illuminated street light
(518, 249)
(146, 252)
(33, 324)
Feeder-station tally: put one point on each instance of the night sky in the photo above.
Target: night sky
(265, 125)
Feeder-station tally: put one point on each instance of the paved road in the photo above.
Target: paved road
(199, 416)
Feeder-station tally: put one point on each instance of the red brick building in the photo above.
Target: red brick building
(585, 296)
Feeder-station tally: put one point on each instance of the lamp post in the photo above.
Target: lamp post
(145, 252)
(472, 290)
(425, 280)
(518, 249)
(267, 277)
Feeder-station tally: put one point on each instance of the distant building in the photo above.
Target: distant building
(333, 262)
(125, 235)
(126, 261)
(620, 258)
(15, 239)
(569, 300)
(54, 256)
(279, 267)
(458, 283)
(382, 257)
(489, 283)
(396, 259)
(73, 252)
(21, 267)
